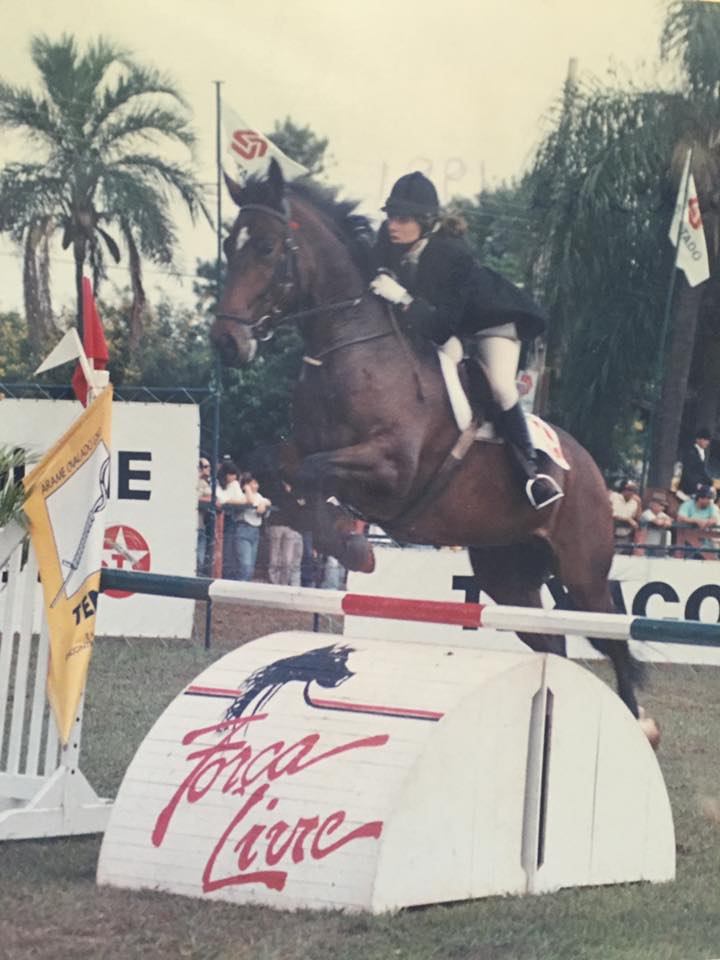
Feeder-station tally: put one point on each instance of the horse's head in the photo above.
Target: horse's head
(262, 270)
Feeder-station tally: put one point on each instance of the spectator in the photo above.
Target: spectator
(204, 493)
(655, 523)
(230, 499)
(248, 525)
(309, 565)
(285, 523)
(626, 509)
(694, 464)
(701, 512)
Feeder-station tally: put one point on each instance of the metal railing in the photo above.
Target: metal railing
(683, 541)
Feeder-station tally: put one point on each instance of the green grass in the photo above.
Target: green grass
(50, 907)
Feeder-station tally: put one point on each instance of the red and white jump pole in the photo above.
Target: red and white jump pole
(612, 626)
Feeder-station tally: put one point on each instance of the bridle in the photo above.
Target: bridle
(287, 275)
(285, 280)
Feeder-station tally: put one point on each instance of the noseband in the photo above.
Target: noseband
(286, 277)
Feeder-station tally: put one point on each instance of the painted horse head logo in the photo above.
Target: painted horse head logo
(326, 666)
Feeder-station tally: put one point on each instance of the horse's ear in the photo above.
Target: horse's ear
(276, 180)
(234, 189)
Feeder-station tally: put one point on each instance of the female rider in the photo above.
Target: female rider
(426, 268)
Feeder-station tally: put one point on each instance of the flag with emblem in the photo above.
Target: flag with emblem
(686, 231)
(247, 151)
(67, 495)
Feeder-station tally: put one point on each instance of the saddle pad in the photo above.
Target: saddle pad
(542, 434)
(545, 438)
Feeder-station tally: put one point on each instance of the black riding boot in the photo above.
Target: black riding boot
(540, 489)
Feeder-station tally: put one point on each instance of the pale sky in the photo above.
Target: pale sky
(458, 88)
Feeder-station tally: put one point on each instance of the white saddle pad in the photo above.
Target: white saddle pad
(543, 436)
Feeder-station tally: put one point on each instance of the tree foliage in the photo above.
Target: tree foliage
(603, 187)
(103, 131)
(499, 225)
(301, 144)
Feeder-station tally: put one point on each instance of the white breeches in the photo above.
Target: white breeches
(499, 356)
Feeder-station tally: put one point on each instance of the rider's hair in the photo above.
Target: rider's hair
(454, 223)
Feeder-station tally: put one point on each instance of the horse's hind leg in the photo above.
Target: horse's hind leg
(588, 589)
(514, 575)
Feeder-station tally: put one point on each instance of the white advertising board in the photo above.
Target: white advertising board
(644, 586)
(151, 516)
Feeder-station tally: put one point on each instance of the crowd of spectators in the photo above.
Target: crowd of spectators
(682, 522)
(260, 534)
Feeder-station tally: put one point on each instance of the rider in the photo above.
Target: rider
(427, 269)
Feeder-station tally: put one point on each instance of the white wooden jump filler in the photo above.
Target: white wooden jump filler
(43, 792)
(312, 770)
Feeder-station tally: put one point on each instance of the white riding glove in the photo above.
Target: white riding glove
(389, 289)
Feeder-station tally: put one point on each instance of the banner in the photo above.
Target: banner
(151, 519)
(692, 256)
(250, 151)
(67, 494)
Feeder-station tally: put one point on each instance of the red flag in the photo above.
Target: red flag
(93, 342)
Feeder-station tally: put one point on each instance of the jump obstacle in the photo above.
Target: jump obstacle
(299, 772)
(374, 775)
(613, 626)
(364, 774)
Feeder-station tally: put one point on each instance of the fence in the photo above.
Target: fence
(43, 792)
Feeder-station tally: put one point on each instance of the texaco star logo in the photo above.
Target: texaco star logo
(694, 213)
(248, 144)
(125, 549)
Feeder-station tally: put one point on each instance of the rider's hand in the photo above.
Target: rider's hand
(389, 289)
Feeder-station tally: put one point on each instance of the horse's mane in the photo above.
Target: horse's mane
(353, 230)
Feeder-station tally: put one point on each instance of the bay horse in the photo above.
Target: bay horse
(373, 423)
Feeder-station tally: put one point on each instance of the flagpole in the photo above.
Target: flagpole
(216, 377)
(660, 363)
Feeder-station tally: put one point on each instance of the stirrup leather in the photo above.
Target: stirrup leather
(546, 503)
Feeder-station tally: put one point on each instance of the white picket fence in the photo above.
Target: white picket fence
(43, 792)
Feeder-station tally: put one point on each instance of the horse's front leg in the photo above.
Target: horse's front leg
(362, 469)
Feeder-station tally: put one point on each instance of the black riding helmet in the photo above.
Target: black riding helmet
(413, 195)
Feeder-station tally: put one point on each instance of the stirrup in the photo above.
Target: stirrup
(558, 495)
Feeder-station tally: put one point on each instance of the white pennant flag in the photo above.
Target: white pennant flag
(67, 349)
(692, 255)
(251, 151)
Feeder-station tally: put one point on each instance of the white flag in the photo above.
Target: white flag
(251, 151)
(67, 349)
(692, 256)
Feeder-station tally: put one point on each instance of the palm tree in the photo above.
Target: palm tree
(105, 126)
(604, 185)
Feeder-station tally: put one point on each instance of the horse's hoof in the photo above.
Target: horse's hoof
(650, 729)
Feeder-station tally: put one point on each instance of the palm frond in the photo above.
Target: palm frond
(12, 494)
(137, 82)
(148, 122)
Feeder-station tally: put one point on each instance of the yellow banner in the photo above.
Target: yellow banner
(67, 494)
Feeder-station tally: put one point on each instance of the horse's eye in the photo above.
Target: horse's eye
(263, 247)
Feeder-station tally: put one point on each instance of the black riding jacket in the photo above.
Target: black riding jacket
(453, 293)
